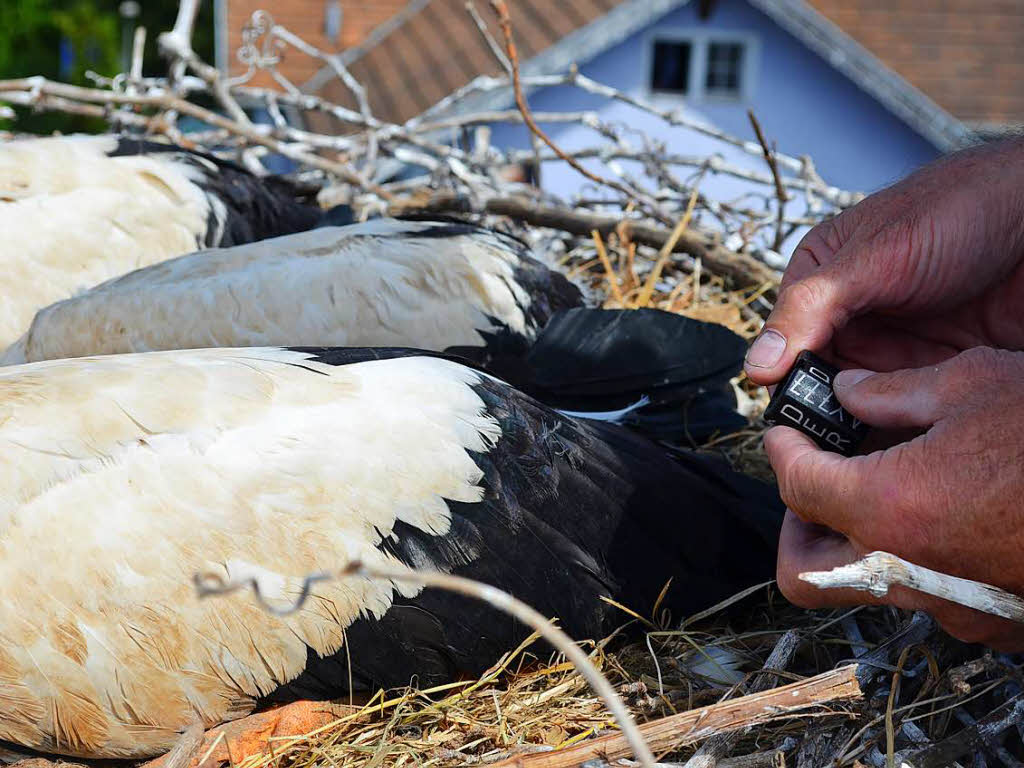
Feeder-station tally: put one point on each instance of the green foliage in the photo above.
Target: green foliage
(37, 35)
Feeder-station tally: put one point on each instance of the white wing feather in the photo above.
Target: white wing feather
(352, 286)
(122, 476)
(72, 217)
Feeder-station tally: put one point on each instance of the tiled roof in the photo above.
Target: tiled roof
(966, 55)
(439, 48)
(960, 56)
(307, 19)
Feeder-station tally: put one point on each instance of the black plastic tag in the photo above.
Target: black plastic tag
(806, 401)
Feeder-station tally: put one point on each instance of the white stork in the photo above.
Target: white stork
(433, 285)
(75, 211)
(123, 476)
(438, 285)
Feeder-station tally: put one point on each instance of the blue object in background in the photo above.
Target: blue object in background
(66, 52)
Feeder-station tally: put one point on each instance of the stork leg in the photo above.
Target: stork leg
(231, 743)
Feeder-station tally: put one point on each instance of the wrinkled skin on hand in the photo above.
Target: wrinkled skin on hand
(923, 283)
(949, 499)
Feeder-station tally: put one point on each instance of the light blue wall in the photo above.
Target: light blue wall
(801, 101)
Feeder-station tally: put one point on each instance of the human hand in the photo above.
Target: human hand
(950, 499)
(912, 275)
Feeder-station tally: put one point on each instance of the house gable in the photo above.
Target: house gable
(800, 99)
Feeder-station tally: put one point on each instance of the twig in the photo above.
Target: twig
(176, 45)
(666, 251)
(501, 9)
(182, 753)
(969, 739)
(920, 626)
(738, 267)
(878, 571)
(213, 584)
(42, 86)
(611, 276)
(674, 117)
(717, 746)
(803, 698)
(481, 25)
(780, 190)
(138, 48)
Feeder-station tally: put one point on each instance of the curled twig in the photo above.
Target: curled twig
(780, 190)
(213, 584)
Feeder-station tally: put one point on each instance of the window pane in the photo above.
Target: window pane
(724, 69)
(670, 68)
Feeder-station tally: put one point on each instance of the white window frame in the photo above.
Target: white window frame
(700, 41)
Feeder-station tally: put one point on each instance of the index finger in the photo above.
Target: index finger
(821, 486)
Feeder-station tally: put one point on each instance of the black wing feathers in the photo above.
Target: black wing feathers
(591, 355)
(572, 511)
(255, 207)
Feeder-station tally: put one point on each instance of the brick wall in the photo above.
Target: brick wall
(964, 54)
(306, 18)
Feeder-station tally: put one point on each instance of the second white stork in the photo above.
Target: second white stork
(432, 285)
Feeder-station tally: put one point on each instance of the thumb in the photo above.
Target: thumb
(912, 397)
(807, 315)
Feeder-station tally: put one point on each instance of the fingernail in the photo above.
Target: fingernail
(848, 378)
(767, 349)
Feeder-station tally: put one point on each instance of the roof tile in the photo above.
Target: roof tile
(964, 54)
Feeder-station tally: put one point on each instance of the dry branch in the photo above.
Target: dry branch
(803, 698)
(28, 91)
(744, 270)
(970, 739)
(878, 571)
(714, 748)
(780, 190)
(501, 9)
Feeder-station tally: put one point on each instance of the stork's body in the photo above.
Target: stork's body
(122, 476)
(76, 211)
(429, 285)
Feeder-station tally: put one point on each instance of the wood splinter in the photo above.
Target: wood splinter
(804, 698)
(878, 571)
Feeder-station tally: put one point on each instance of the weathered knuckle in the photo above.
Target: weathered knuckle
(803, 296)
(820, 243)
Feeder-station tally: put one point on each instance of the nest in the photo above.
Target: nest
(927, 688)
(643, 232)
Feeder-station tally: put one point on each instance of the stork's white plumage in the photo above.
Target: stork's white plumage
(75, 211)
(122, 476)
(425, 284)
(182, 462)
